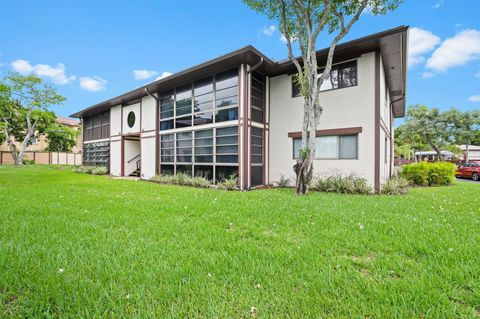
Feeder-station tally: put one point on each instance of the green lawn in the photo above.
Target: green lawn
(138, 249)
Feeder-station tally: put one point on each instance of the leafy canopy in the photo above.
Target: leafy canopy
(61, 138)
(24, 108)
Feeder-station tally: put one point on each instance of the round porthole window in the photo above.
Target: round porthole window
(131, 119)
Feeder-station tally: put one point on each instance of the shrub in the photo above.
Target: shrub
(94, 170)
(283, 182)
(28, 162)
(347, 184)
(429, 174)
(82, 169)
(182, 179)
(361, 186)
(200, 182)
(396, 186)
(229, 184)
(99, 170)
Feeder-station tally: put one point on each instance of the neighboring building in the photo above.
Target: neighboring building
(433, 156)
(241, 114)
(473, 152)
(40, 143)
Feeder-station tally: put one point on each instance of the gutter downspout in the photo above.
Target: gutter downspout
(157, 131)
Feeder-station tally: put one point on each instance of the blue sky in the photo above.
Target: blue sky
(91, 49)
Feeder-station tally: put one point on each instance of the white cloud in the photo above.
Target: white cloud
(284, 39)
(163, 75)
(57, 73)
(455, 51)
(93, 84)
(420, 41)
(428, 75)
(143, 74)
(474, 98)
(437, 4)
(268, 30)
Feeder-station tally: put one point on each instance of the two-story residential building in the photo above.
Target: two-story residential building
(242, 114)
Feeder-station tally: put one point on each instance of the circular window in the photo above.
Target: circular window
(131, 119)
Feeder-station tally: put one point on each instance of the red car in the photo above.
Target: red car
(469, 170)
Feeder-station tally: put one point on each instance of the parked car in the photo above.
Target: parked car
(469, 170)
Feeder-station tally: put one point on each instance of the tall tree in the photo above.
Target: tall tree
(464, 127)
(61, 138)
(429, 126)
(24, 111)
(301, 22)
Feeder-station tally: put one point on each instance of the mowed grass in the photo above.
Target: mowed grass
(137, 249)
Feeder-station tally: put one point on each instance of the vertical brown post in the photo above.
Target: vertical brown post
(1, 157)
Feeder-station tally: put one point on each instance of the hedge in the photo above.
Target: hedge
(429, 174)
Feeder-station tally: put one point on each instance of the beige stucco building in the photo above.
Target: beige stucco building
(40, 143)
(241, 114)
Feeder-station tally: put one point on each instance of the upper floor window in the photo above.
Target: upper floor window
(341, 75)
(96, 127)
(205, 101)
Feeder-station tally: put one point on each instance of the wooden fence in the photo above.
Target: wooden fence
(61, 158)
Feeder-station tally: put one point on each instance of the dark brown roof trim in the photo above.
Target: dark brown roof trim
(327, 132)
(249, 55)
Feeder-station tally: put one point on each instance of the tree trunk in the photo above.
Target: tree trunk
(437, 150)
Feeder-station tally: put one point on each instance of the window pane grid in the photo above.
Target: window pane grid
(331, 147)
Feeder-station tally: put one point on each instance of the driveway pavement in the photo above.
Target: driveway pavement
(467, 180)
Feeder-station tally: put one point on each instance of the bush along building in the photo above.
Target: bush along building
(242, 114)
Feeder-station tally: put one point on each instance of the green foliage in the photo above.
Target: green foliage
(304, 152)
(61, 138)
(396, 186)
(28, 162)
(93, 170)
(24, 109)
(230, 183)
(347, 184)
(182, 179)
(429, 174)
(427, 126)
(463, 126)
(437, 130)
(283, 182)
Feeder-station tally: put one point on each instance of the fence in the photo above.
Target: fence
(61, 158)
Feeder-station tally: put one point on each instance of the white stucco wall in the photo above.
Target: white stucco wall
(148, 113)
(136, 127)
(115, 120)
(385, 118)
(347, 107)
(148, 157)
(116, 158)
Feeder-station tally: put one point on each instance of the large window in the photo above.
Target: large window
(206, 152)
(96, 127)
(166, 110)
(341, 75)
(213, 99)
(258, 97)
(331, 147)
(256, 166)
